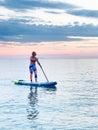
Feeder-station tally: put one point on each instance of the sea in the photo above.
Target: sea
(72, 105)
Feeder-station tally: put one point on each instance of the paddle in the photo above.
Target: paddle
(44, 73)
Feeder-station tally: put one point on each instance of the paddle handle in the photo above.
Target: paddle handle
(44, 73)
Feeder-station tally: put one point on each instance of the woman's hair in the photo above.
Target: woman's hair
(33, 53)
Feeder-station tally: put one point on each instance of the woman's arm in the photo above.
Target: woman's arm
(38, 62)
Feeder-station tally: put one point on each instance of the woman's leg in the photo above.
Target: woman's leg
(31, 77)
(35, 73)
(31, 73)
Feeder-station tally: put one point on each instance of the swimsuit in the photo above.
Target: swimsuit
(32, 66)
(32, 69)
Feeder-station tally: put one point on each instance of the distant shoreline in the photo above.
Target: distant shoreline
(47, 57)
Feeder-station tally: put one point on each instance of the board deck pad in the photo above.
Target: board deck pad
(37, 84)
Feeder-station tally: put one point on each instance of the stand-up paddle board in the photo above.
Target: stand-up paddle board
(41, 84)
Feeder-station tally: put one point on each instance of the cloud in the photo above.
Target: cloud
(27, 4)
(26, 21)
(17, 31)
(46, 12)
(87, 46)
(84, 13)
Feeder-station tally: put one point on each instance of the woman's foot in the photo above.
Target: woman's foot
(35, 79)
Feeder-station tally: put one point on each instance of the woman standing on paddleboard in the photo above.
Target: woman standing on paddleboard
(32, 67)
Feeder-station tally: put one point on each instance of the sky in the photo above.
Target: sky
(67, 28)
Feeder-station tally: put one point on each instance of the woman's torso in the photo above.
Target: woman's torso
(33, 60)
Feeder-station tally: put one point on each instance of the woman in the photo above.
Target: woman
(32, 67)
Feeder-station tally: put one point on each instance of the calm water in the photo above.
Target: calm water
(72, 106)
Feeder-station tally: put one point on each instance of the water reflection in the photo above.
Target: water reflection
(50, 90)
(32, 111)
(33, 100)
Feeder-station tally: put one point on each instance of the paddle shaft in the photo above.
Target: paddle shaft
(44, 73)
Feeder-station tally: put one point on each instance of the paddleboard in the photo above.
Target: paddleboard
(41, 84)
